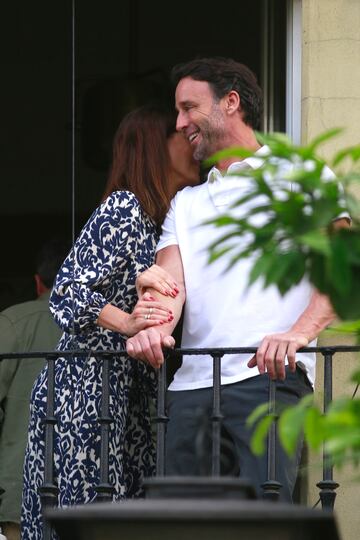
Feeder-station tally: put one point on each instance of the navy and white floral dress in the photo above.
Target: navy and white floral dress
(117, 243)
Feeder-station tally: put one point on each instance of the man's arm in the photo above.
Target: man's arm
(148, 344)
(273, 349)
(317, 316)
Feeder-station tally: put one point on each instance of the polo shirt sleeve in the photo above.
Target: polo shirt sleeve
(168, 235)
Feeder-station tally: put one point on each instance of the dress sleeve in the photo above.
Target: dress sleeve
(106, 240)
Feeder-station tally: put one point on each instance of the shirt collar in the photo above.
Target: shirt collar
(254, 162)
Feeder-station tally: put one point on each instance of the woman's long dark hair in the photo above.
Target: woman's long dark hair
(141, 161)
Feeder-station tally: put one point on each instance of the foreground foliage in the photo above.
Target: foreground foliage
(296, 241)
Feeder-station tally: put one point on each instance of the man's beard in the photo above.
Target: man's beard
(212, 133)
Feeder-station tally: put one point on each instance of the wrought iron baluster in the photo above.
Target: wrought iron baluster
(105, 490)
(271, 488)
(49, 491)
(216, 417)
(161, 420)
(327, 485)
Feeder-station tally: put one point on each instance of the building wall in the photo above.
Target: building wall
(331, 98)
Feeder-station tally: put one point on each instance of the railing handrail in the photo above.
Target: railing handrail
(218, 351)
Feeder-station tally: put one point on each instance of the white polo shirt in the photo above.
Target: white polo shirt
(221, 310)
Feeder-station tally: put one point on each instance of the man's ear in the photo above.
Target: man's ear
(232, 103)
(41, 288)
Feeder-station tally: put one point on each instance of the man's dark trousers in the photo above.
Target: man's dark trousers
(186, 411)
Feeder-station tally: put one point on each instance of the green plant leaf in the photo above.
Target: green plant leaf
(235, 152)
(348, 327)
(291, 424)
(355, 377)
(258, 439)
(261, 267)
(313, 428)
(216, 254)
(339, 265)
(353, 152)
(343, 441)
(257, 413)
(221, 221)
(317, 241)
(324, 137)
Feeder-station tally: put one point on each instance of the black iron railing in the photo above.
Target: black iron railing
(271, 488)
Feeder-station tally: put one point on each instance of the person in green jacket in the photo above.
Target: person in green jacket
(24, 327)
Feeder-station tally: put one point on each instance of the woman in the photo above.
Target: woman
(94, 301)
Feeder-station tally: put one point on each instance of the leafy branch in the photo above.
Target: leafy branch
(285, 221)
(300, 197)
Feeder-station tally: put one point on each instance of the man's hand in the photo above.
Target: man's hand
(148, 345)
(272, 351)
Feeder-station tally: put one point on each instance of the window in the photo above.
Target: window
(124, 51)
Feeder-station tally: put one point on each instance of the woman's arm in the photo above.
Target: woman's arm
(100, 251)
(146, 313)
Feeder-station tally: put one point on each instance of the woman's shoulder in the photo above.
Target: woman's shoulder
(122, 202)
(121, 199)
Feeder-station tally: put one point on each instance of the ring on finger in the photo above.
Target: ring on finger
(150, 311)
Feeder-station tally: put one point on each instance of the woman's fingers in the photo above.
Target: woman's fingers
(153, 314)
(157, 278)
(167, 288)
(162, 286)
(143, 306)
(148, 313)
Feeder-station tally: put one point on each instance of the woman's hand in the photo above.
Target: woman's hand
(156, 278)
(147, 312)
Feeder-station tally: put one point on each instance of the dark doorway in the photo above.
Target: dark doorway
(123, 54)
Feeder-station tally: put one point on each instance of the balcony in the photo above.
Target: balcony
(224, 500)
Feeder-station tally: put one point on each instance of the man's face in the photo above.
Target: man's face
(200, 117)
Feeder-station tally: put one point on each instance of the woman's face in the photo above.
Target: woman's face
(185, 170)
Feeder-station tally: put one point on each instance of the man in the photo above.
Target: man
(219, 105)
(24, 327)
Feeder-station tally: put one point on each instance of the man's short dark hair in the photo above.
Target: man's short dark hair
(50, 257)
(224, 75)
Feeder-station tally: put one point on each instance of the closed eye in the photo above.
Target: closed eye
(187, 106)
